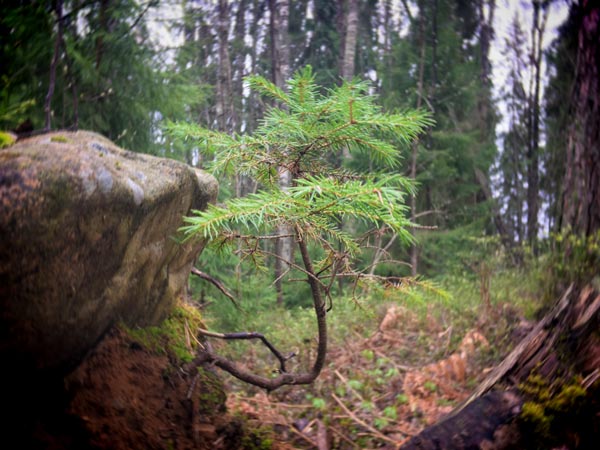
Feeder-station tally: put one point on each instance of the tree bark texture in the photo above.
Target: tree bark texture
(280, 45)
(581, 194)
(350, 35)
(225, 110)
(280, 60)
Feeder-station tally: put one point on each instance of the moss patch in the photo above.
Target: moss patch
(174, 337)
(59, 138)
(6, 139)
(211, 397)
(555, 413)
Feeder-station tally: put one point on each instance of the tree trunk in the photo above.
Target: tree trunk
(533, 176)
(280, 61)
(280, 46)
(226, 117)
(414, 250)
(258, 8)
(53, 64)
(350, 35)
(239, 61)
(581, 194)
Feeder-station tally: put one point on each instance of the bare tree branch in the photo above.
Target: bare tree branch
(284, 378)
(217, 284)
(251, 335)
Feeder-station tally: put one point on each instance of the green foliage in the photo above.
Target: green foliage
(108, 78)
(304, 137)
(174, 336)
(462, 140)
(6, 139)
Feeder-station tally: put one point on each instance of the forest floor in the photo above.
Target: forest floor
(393, 368)
(389, 375)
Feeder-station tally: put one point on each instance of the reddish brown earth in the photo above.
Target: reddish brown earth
(123, 397)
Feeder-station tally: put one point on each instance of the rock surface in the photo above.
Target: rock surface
(88, 238)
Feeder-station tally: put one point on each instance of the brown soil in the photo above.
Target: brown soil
(123, 397)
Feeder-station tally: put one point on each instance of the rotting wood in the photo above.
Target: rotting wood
(486, 418)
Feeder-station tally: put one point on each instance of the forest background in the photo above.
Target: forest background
(490, 170)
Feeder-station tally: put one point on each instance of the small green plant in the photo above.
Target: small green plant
(402, 399)
(301, 140)
(430, 386)
(6, 139)
(368, 354)
(59, 138)
(319, 403)
(390, 412)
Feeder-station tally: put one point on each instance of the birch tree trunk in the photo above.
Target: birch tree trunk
(280, 60)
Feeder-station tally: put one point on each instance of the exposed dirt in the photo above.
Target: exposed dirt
(123, 397)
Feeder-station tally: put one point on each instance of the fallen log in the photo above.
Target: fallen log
(558, 358)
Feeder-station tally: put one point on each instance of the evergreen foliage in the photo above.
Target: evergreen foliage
(108, 77)
(463, 138)
(301, 138)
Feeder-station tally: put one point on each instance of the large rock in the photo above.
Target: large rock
(88, 238)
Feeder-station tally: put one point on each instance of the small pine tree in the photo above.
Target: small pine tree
(305, 138)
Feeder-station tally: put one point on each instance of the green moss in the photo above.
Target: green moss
(258, 439)
(175, 336)
(212, 396)
(534, 415)
(552, 409)
(59, 138)
(6, 139)
(568, 399)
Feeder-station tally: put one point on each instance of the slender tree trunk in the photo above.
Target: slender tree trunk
(387, 43)
(280, 60)
(350, 35)
(414, 250)
(253, 108)
(533, 176)
(53, 64)
(226, 116)
(239, 60)
(484, 107)
(280, 47)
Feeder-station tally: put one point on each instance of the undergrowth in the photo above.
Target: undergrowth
(373, 390)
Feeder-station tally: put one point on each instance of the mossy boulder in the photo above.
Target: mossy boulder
(88, 239)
